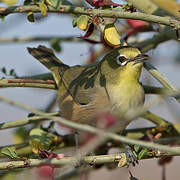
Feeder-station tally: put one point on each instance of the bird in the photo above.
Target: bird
(110, 85)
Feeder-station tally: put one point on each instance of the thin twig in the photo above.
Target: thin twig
(46, 84)
(40, 38)
(157, 75)
(72, 161)
(50, 84)
(26, 121)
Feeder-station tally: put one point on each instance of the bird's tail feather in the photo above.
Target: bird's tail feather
(47, 58)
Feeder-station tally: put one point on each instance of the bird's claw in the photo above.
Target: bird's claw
(131, 158)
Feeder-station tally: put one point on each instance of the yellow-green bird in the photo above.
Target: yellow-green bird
(111, 85)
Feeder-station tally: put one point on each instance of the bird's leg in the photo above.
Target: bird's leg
(131, 157)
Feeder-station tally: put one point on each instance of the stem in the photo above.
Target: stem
(157, 75)
(40, 38)
(95, 12)
(26, 121)
(155, 119)
(48, 84)
(91, 160)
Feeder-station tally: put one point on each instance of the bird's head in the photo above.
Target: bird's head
(124, 62)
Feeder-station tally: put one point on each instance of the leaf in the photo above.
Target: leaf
(3, 70)
(137, 148)
(74, 22)
(27, 2)
(111, 35)
(20, 135)
(31, 114)
(43, 8)
(40, 140)
(9, 2)
(10, 152)
(100, 3)
(11, 72)
(30, 17)
(2, 18)
(55, 44)
(88, 32)
(57, 3)
(143, 153)
(82, 22)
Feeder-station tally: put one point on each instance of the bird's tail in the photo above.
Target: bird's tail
(47, 58)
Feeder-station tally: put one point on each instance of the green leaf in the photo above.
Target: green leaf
(28, 2)
(137, 148)
(74, 22)
(82, 22)
(57, 3)
(2, 18)
(30, 17)
(3, 70)
(10, 152)
(31, 114)
(40, 140)
(55, 44)
(9, 2)
(12, 72)
(143, 153)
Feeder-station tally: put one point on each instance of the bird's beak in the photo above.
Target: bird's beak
(141, 58)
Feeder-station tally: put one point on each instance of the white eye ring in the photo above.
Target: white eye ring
(123, 57)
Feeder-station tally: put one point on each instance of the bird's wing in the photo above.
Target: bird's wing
(81, 83)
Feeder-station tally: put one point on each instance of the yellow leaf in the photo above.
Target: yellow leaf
(43, 8)
(40, 139)
(82, 22)
(9, 2)
(111, 35)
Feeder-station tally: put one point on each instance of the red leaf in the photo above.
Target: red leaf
(100, 3)
(137, 26)
(88, 32)
(164, 160)
(136, 23)
(46, 171)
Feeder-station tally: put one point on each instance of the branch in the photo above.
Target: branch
(73, 161)
(46, 84)
(50, 84)
(155, 119)
(152, 43)
(157, 75)
(95, 12)
(40, 38)
(26, 121)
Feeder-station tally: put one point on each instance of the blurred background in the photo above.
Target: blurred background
(166, 58)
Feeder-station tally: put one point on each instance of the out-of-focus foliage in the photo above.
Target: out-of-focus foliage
(9, 2)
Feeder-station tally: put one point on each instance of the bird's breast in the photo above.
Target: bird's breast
(125, 96)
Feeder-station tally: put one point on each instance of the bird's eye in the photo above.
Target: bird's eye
(121, 60)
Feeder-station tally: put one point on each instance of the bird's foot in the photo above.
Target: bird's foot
(131, 157)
